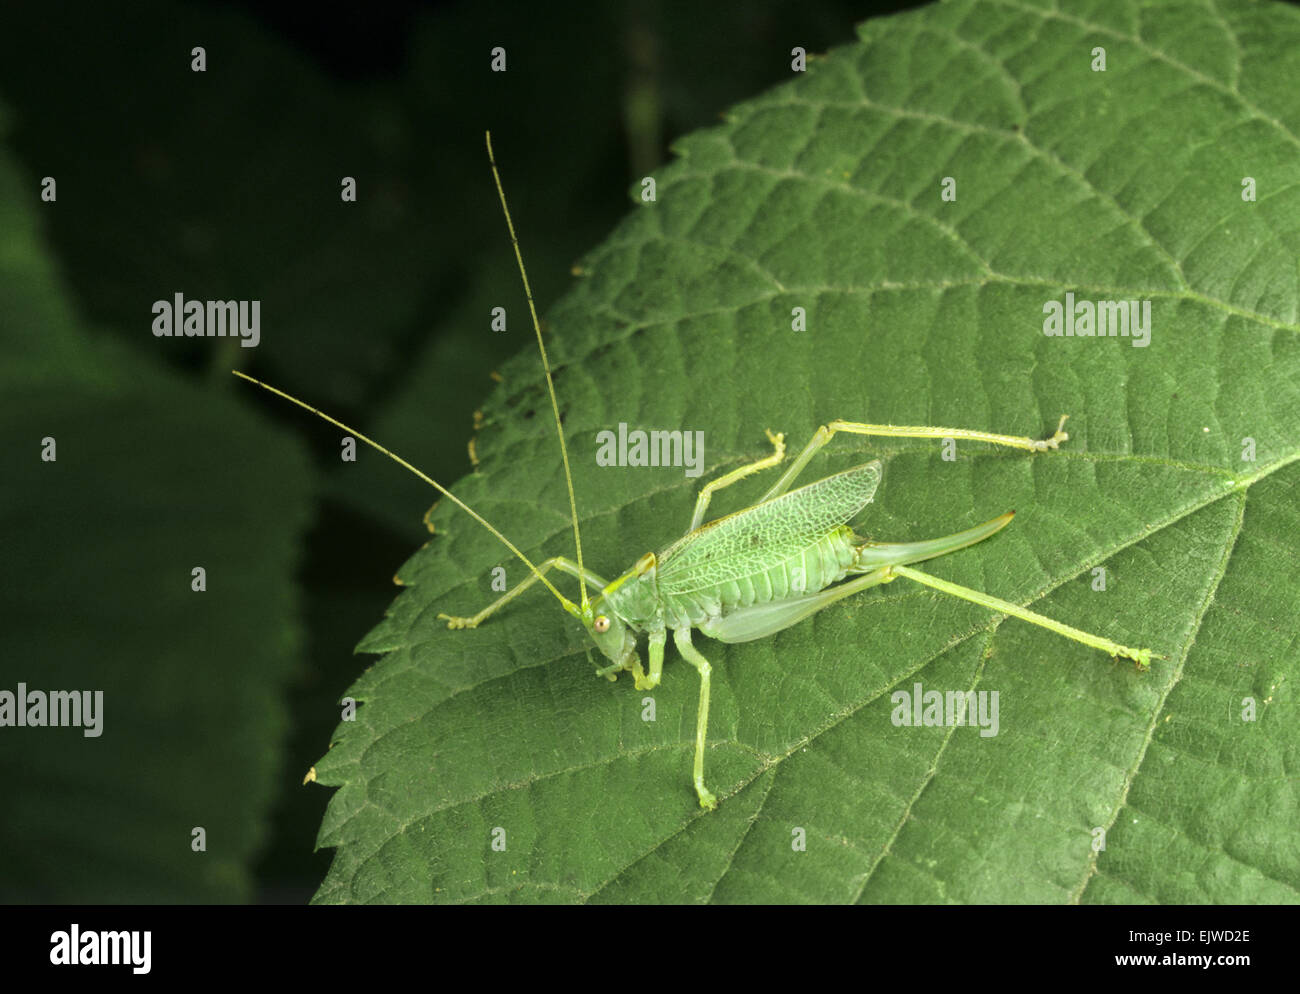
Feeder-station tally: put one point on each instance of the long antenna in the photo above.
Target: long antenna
(568, 604)
(550, 384)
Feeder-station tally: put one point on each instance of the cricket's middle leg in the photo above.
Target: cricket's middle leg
(682, 638)
(726, 480)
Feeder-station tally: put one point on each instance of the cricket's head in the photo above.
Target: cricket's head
(607, 617)
(612, 636)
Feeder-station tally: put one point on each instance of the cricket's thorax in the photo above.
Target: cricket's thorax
(636, 600)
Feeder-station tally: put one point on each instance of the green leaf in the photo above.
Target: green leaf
(825, 194)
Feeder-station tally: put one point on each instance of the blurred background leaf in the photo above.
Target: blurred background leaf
(150, 479)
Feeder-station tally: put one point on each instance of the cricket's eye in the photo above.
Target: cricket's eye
(601, 624)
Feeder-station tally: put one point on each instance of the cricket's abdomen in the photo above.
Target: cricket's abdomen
(817, 565)
(786, 547)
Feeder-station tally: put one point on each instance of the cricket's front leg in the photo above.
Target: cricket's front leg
(558, 562)
(655, 642)
(612, 671)
(682, 638)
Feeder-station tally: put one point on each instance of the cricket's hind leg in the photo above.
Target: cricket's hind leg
(828, 431)
(883, 562)
(1142, 657)
(873, 555)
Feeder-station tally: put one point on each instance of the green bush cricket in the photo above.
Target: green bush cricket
(751, 573)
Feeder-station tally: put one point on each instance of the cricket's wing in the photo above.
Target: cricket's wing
(766, 535)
